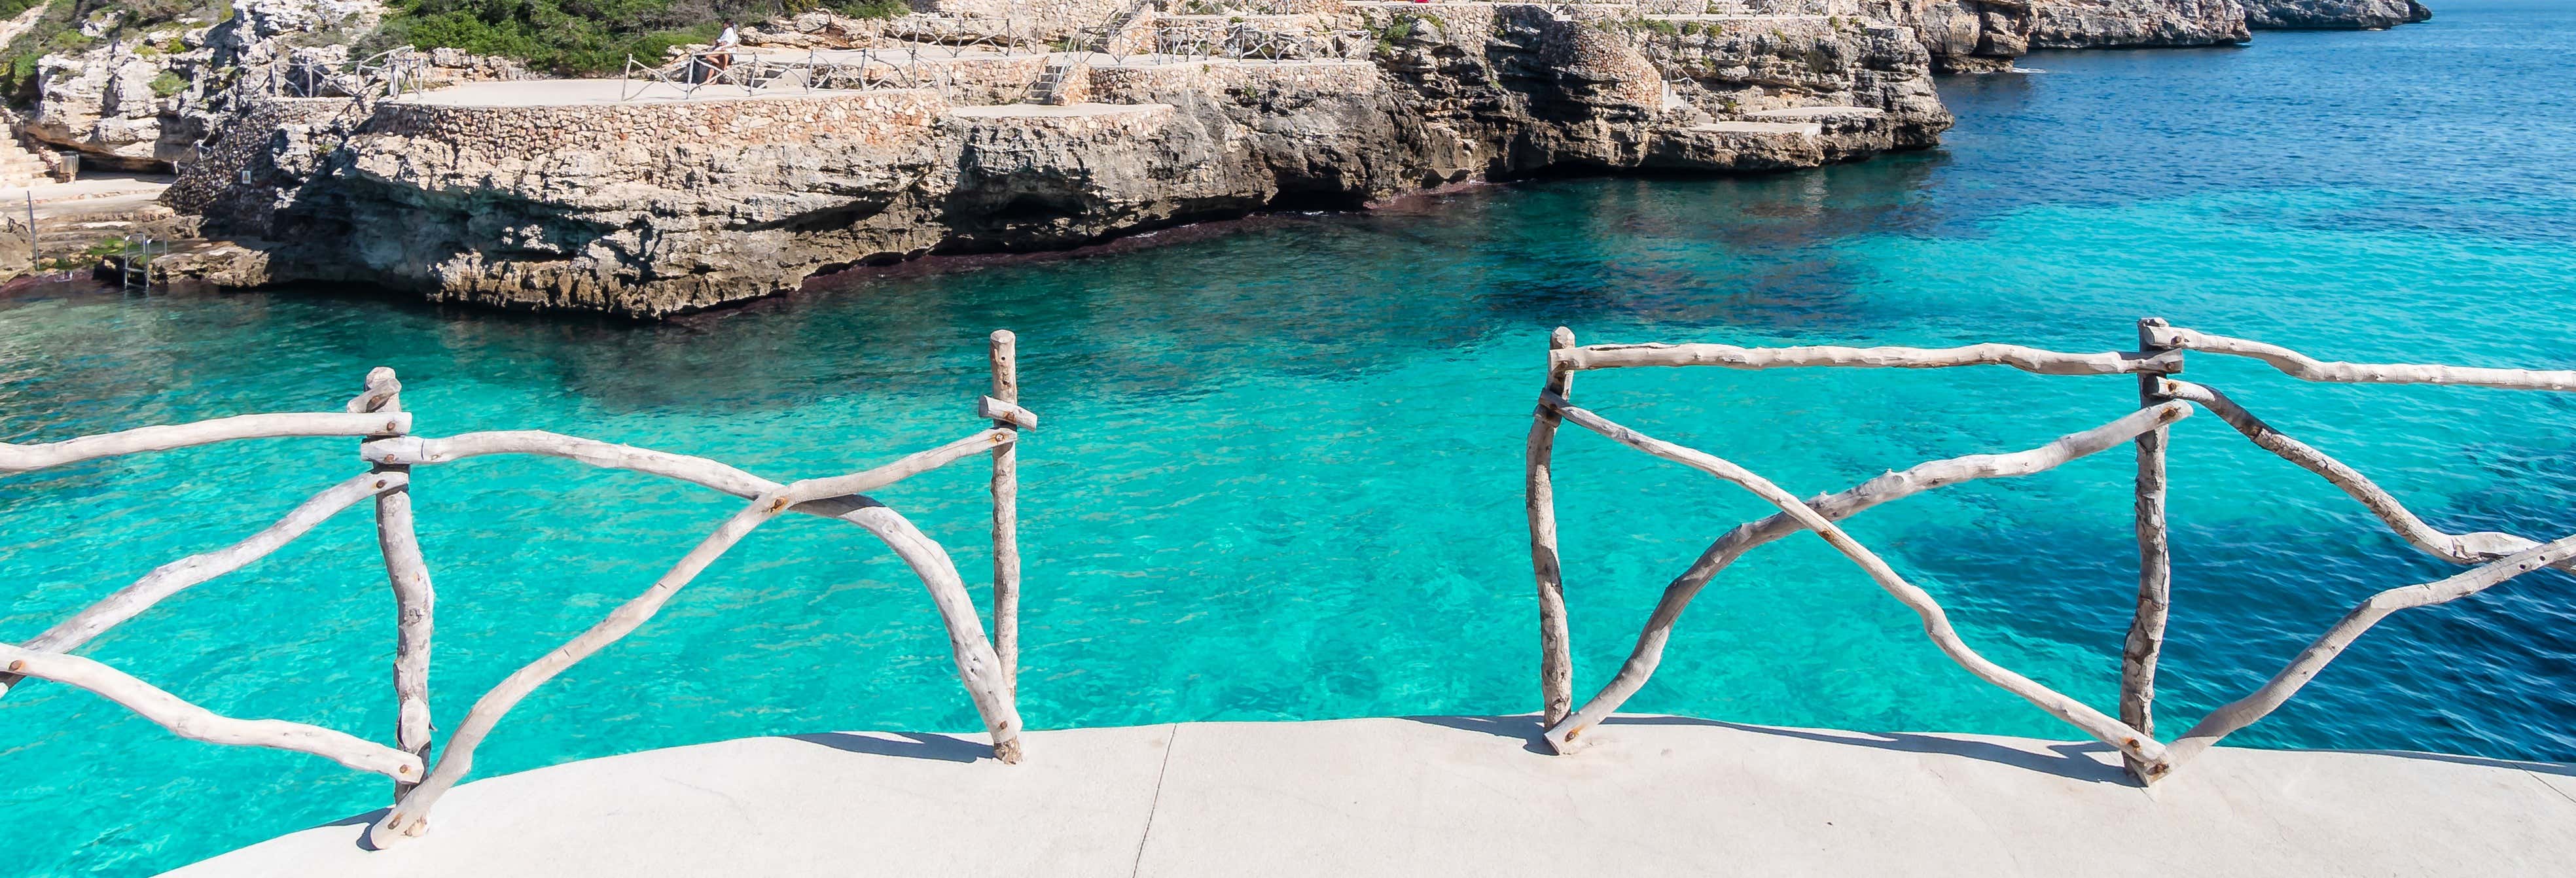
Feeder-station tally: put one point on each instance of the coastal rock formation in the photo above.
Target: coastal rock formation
(657, 207)
(2095, 24)
(1962, 36)
(139, 95)
(2333, 14)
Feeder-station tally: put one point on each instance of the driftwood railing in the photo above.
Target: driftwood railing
(988, 668)
(2163, 399)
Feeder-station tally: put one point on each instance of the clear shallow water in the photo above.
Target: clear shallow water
(1279, 477)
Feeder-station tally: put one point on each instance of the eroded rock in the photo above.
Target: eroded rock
(654, 208)
(2333, 14)
(2097, 24)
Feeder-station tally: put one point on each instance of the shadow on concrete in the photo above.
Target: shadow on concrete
(360, 820)
(2074, 760)
(2560, 769)
(907, 745)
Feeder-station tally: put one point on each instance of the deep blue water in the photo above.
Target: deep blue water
(1279, 476)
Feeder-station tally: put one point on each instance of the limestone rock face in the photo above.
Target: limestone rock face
(265, 30)
(659, 207)
(107, 102)
(2333, 14)
(1963, 36)
(2088, 24)
(142, 96)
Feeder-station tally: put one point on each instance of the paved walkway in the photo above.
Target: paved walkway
(107, 192)
(1465, 796)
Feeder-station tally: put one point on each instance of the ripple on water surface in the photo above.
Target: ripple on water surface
(1279, 477)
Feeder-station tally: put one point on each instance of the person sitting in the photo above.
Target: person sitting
(722, 58)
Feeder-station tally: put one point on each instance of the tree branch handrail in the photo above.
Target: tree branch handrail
(1936, 622)
(1887, 487)
(2306, 368)
(376, 417)
(2465, 548)
(176, 576)
(2275, 692)
(410, 816)
(19, 458)
(2163, 400)
(199, 724)
(2028, 359)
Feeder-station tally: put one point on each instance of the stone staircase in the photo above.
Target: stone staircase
(21, 165)
(1056, 86)
(21, 168)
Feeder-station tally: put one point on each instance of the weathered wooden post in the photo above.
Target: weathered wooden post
(414, 598)
(2155, 564)
(1004, 353)
(1556, 660)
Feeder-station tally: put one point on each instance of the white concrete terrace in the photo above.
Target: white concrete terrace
(1465, 796)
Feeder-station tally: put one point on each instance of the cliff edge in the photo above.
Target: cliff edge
(586, 195)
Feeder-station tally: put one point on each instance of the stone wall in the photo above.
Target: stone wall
(250, 163)
(872, 118)
(1151, 83)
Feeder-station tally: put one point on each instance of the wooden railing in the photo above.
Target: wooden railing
(987, 668)
(2163, 399)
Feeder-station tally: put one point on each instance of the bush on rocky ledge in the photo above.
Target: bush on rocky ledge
(587, 37)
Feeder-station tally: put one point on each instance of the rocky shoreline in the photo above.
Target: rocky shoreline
(494, 190)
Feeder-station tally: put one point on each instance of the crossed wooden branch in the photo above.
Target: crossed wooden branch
(2501, 556)
(985, 667)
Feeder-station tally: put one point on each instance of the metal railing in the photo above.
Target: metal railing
(388, 74)
(2493, 557)
(391, 451)
(134, 262)
(867, 69)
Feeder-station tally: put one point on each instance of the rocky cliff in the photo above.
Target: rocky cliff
(648, 208)
(2093, 24)
(2333, 14)
(139, 95)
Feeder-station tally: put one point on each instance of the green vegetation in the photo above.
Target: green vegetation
(168, 83)
(1400, 28)
(578, 37)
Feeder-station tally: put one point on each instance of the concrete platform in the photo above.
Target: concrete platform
(1792, 129)
(1819, 113)
(1464, 796)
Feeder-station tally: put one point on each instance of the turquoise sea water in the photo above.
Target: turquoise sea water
(1279, 475)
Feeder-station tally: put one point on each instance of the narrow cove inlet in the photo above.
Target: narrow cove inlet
(1276, 494)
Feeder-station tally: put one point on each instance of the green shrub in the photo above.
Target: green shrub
(169, 83)
(586, 37)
